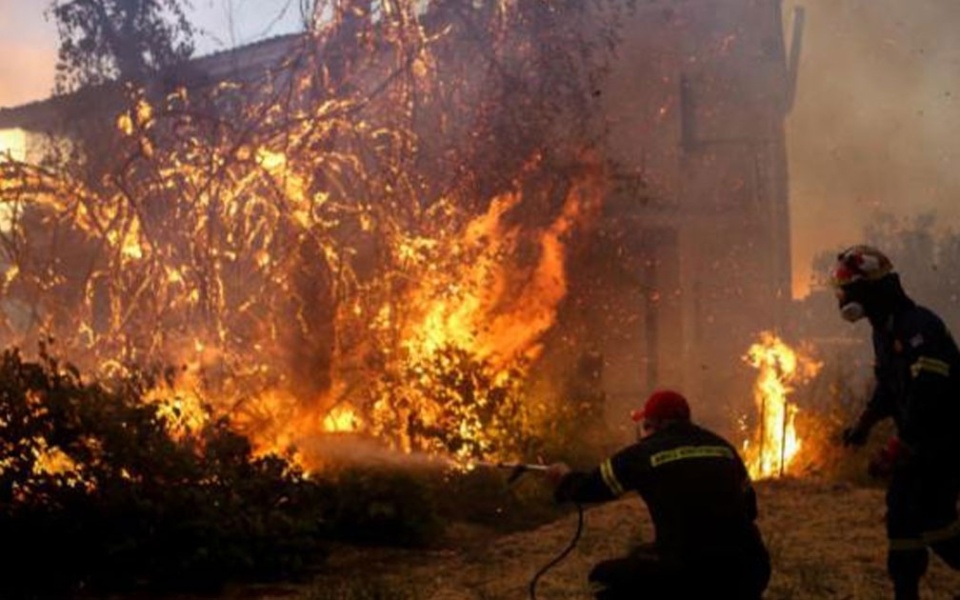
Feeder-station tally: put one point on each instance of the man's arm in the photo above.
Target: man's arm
(603, 483)
(585, 487)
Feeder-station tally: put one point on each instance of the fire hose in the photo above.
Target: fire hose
(516, 471)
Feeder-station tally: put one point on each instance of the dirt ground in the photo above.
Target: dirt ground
(826, 541)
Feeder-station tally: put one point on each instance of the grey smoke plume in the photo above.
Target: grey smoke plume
(876, 120)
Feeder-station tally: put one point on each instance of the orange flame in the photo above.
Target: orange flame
(473, 318)
(775, 444)
(181, 409)
(342, 419)
(476, 322)
(476, 308)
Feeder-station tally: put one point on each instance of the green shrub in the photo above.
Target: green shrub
(137, 508)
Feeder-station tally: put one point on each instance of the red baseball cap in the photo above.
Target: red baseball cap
(663, 405)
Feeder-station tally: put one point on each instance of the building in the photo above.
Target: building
(696, 105)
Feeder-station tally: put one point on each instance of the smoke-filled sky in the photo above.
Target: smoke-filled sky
(876, 125)
(28, 42)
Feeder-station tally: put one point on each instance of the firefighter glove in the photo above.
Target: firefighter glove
(887, 458)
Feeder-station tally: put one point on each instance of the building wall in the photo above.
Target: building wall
(696, 104)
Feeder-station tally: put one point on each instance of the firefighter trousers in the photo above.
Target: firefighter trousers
(921, 516)
(644, 574)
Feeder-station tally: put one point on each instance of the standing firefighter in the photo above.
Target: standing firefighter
(700, 500)
(918, 385)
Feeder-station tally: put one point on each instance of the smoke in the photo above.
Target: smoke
(875, 123)
(355, 450)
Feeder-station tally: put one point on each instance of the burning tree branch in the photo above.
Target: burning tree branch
(377, 226)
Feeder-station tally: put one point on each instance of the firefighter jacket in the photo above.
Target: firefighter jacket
(695, 486)
(917, 383)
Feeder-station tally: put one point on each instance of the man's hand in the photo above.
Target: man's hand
(855, 436)
(556, 472)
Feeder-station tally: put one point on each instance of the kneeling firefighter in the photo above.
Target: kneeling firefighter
(701, 502)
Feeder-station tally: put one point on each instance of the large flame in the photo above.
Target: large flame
(475, 324)
(342, 418)
(365, 252)
(774, 444)
(456, 344)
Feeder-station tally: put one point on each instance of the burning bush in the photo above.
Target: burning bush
(804, 399)
(455, 405)
(96, 493)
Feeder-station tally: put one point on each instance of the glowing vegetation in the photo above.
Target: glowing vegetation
(369, 236)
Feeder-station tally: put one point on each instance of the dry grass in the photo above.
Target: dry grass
(826, 541)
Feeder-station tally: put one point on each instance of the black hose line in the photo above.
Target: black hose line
(559, 557)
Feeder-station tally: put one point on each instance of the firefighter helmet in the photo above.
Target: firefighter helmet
(860, 263)
(857, 277)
